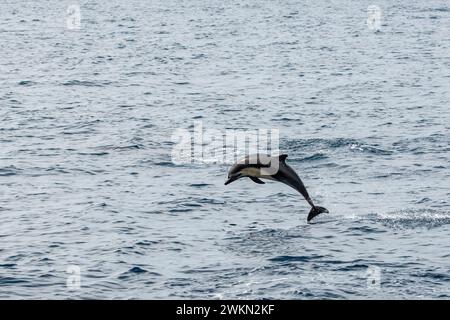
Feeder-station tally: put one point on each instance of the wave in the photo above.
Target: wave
(85, 83)
(9, 171)
(26, 83)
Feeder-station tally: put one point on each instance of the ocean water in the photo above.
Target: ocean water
(93, 207)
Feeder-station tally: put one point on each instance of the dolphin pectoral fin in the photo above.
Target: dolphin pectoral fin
(257, 180)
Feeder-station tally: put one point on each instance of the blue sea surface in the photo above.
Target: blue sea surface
(86, 124)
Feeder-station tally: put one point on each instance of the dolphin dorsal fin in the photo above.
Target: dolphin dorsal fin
(282, 157)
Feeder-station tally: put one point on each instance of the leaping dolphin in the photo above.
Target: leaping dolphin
(261, 166)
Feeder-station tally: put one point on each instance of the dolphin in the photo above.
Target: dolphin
(262, 166)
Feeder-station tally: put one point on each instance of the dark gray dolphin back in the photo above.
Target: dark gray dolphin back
(253, 161)
(288, 176)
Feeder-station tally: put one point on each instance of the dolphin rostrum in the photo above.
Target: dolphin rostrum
(261, 166)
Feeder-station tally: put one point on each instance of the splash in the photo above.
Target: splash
(414, 218)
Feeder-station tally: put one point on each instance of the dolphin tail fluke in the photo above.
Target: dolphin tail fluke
(315, 211)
